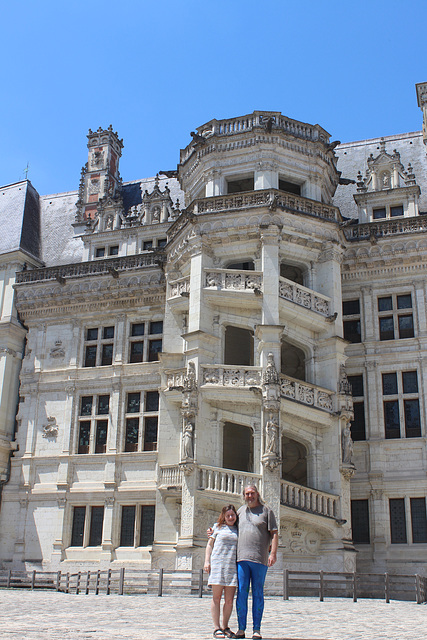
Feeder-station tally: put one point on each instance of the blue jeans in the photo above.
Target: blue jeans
(250, 572)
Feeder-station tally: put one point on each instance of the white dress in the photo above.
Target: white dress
(224, 556)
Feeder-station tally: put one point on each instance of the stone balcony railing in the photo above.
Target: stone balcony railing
(233, 280)
(306, 393)
(225, 480)
(175, 378)
(179, 287)
(170, 476)
(310, 500)
(231, 376)
(307, 298)
(385, 228)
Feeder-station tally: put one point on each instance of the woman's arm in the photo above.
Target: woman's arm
(208, 553)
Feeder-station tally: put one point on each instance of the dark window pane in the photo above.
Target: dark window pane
(391, 419)
(90, 356)
(138, 329)
(79, 515)
(289, 187)
(389, 384)
(148, 244)
(131, 438)
(379, 213)
(410, 382)
(96, 522)
(107, 355)
(161, 243)
(412, 418)
(419, 520)
(101, 436)
(103, 405)
(156, 327)
(151, 401)
(396, 211)
(356, 385)
(92, 334)
(404, 302)
(385, 304)
(397, 520)
(86, 406)
(133, 403)
(243, 184)
(386, 328)
(114, 251)
(108, 333)
(155, 346)
(84, 435)
(100, 252)
(357, 427)
(352, 330)
(147, 525)
(127, 532)
(406, 327)
(350, 307)
(150, 434)
(360, 521)
(136, 352)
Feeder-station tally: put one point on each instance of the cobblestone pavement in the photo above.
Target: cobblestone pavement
(46, 615)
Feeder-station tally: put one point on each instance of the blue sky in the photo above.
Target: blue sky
(156, 71)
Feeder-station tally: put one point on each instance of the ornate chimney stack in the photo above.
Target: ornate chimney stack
(421, 88)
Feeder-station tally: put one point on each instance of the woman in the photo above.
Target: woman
(220, 563)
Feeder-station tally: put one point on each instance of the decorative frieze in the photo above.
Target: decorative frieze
(179, 287)
(233, 280)
(175, 379)
(306, 393)
(385, 228)
(304, 297)
(231, 376)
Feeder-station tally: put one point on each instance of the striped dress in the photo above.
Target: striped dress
(224, 556)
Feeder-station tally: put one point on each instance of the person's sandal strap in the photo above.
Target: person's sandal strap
(228, 632)
(218, 633)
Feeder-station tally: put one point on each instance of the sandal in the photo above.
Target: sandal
(218, 633)
(228, 633)
(256, 635)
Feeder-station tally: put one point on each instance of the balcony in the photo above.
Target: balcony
(306, 393)
(386, 228)
(293, 296)
(309, 500)
(178, 293)
(225, 287)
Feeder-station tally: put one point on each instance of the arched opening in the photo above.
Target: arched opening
(237, 447)
(239, 346)
(293, 361)
(248, 265)
(294, 461)
(291, 272)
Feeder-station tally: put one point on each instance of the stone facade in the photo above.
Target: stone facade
(248, 331)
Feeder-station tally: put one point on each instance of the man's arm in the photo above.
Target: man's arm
(274, 544)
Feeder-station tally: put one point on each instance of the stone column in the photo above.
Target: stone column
(185, 546)
(270, 271)
(58, 541)
(107, 529)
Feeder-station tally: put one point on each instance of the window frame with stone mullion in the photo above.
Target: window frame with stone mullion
(397, 398)
(351, 318)
(358, 425)
(148, 336)
(88, 526)
(143, 415)
(93, 421)
(141, 512)
(99, 344)
(395, 312)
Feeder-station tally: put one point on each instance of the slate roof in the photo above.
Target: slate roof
(20, 219)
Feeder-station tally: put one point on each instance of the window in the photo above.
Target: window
(147, 245)
(99, 347)
(241, 184)
(418, 520)
(87, 526)
(393, 211)
(400, 391)
(145, 345)
(93, 424)
(379, 213)
(141, 421)
(290, 187)
(358, 427)
(351, 322)
(394, 319)
(113, 251)
(100, 252)
(360, 521)
(137, 525)
(161, 242)
(397, 520)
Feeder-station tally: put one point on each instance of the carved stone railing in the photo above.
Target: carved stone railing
(112, 266)
(306, 393)
(225, 480)
(231, 376)
(305, 297)
(179, 287)
(175, 378)
(310, 500)
(385, 228)
(233, 280)
(170, 476)
(232, 126)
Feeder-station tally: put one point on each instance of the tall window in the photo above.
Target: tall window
(401, 404)
(99, 346)
(351, 321)
(141, 421)
(418, 519)
(397, 520)
(87, 526)
(145, 341)
(395, 317)
(358, 427)
(360, 521)
(137, 525)
(93, 424)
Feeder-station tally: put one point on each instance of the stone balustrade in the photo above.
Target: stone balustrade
(225, 480)
(233, 280)
(175, 378)
(306, 393)
(170, 475)
(231, 376)
(311, 500)
(385, 228)
(179, 287)
(307, 298)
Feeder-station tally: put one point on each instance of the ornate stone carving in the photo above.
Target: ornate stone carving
(57, 351)
(347, 444)
(298, 539)
(343, 384)
(300, 295)
(50, 430)
(270, 375)
(187, 442)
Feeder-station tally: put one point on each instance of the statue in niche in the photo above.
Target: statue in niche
(109, 223)
(386, 180)
(347, 445)
(270, 374)
(187, 441)
(190, 382)
(271, 437)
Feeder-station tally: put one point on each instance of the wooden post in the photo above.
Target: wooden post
(67, 582)
(98, 575)
(354, 586)
(286, 584)
(387, 587)
(418, 588)
(9, 577)
(33, 580)
(200, 583)
(87, 583)
(108, 581)
(122, 581)
(160, 591)
(78, 582)
(321, 585)
(58, 580)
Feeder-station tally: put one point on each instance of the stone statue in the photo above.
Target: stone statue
(271, 437)
(190, 381)
(187, 441)
(270, 374)
(347, 445)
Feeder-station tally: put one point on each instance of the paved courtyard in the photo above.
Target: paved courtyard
(46, 615)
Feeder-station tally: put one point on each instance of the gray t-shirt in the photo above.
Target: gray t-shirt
(256, 527)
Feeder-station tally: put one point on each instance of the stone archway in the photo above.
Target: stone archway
(294, 461)
(237, 447)
(292, 361)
